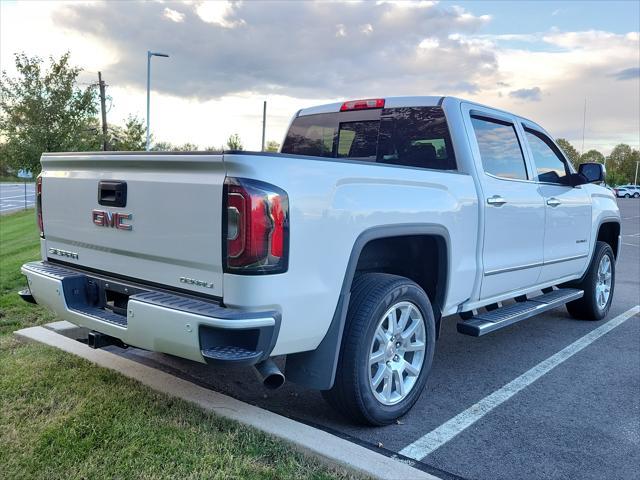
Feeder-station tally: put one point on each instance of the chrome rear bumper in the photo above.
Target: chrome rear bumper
(181, 325)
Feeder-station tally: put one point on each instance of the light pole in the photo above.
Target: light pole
(264, 122)
(635, 180)
(149, 55)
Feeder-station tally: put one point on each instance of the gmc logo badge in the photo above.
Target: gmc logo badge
(103, 218)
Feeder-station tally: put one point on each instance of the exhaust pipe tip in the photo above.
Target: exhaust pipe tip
(273, 382)
(269, 374)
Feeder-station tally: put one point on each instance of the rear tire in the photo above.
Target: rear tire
(380, 373)
(626, 195)
(598, 285)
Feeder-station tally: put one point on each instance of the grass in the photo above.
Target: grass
(19, 243)
(63, 417)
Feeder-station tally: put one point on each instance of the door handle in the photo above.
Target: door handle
(496, 200)
(553, 202)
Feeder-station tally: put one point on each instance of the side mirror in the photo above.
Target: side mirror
(592, 172)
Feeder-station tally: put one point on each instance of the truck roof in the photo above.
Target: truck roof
(409, 101)
(390, 102)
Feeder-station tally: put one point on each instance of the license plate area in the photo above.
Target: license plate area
(109, 295)
(99, 298)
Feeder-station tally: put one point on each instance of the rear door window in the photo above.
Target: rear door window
(499, 147)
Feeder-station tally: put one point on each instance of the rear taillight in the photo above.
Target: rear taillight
(362, 104)
(39, 205)
(256, 227)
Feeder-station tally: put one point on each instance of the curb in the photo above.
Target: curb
(326, 447)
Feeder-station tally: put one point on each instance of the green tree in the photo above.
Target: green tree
(592, 156)
(131, 138)
(43, 109)
(272, 146)
(615, 178)
(622, 160)
(187, 147)
(170, 147)
(234, 142)
(569, 150)
(163, 147)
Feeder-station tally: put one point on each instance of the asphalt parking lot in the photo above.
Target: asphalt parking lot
(580, 419)
(12, 196)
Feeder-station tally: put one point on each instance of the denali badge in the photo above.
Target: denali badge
(103, 218)
(198, 283)
(63, 253)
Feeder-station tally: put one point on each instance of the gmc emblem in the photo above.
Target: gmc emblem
(103, 218)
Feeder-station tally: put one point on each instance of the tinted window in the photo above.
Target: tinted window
(550, 164)
(416, 136)
(358, 139)
(311, 135)
(500, 150)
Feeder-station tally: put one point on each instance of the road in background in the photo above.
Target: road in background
(579, 420)
(12, 197)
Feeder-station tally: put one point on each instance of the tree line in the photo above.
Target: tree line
(620, 163)
(44, 109)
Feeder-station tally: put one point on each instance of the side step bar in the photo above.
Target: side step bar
(488, 322)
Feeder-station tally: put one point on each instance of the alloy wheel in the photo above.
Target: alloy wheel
(397, 353)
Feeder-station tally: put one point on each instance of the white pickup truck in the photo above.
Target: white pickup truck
(343, 252)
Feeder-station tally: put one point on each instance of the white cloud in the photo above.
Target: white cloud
(429, 43)
(173, 15)
(463, 16)
(408, 3)
(219, 13)
(29, 27)
(585, 65)
(227, 57)
(367, 29)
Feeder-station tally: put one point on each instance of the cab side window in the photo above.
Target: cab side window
(550, 164)
(499, 147)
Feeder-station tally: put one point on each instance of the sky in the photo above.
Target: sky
(539, 59)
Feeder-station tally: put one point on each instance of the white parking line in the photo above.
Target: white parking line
(448, 430)
(15, 207)
(19, 196)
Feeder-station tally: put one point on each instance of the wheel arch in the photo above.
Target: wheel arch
(609, 232)
(316, 368)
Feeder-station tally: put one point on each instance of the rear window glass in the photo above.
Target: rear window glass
(412, 136)
(358, 139)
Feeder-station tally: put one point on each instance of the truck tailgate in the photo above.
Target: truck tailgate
(170, 226)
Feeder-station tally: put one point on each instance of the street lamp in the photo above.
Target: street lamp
(149, 55)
